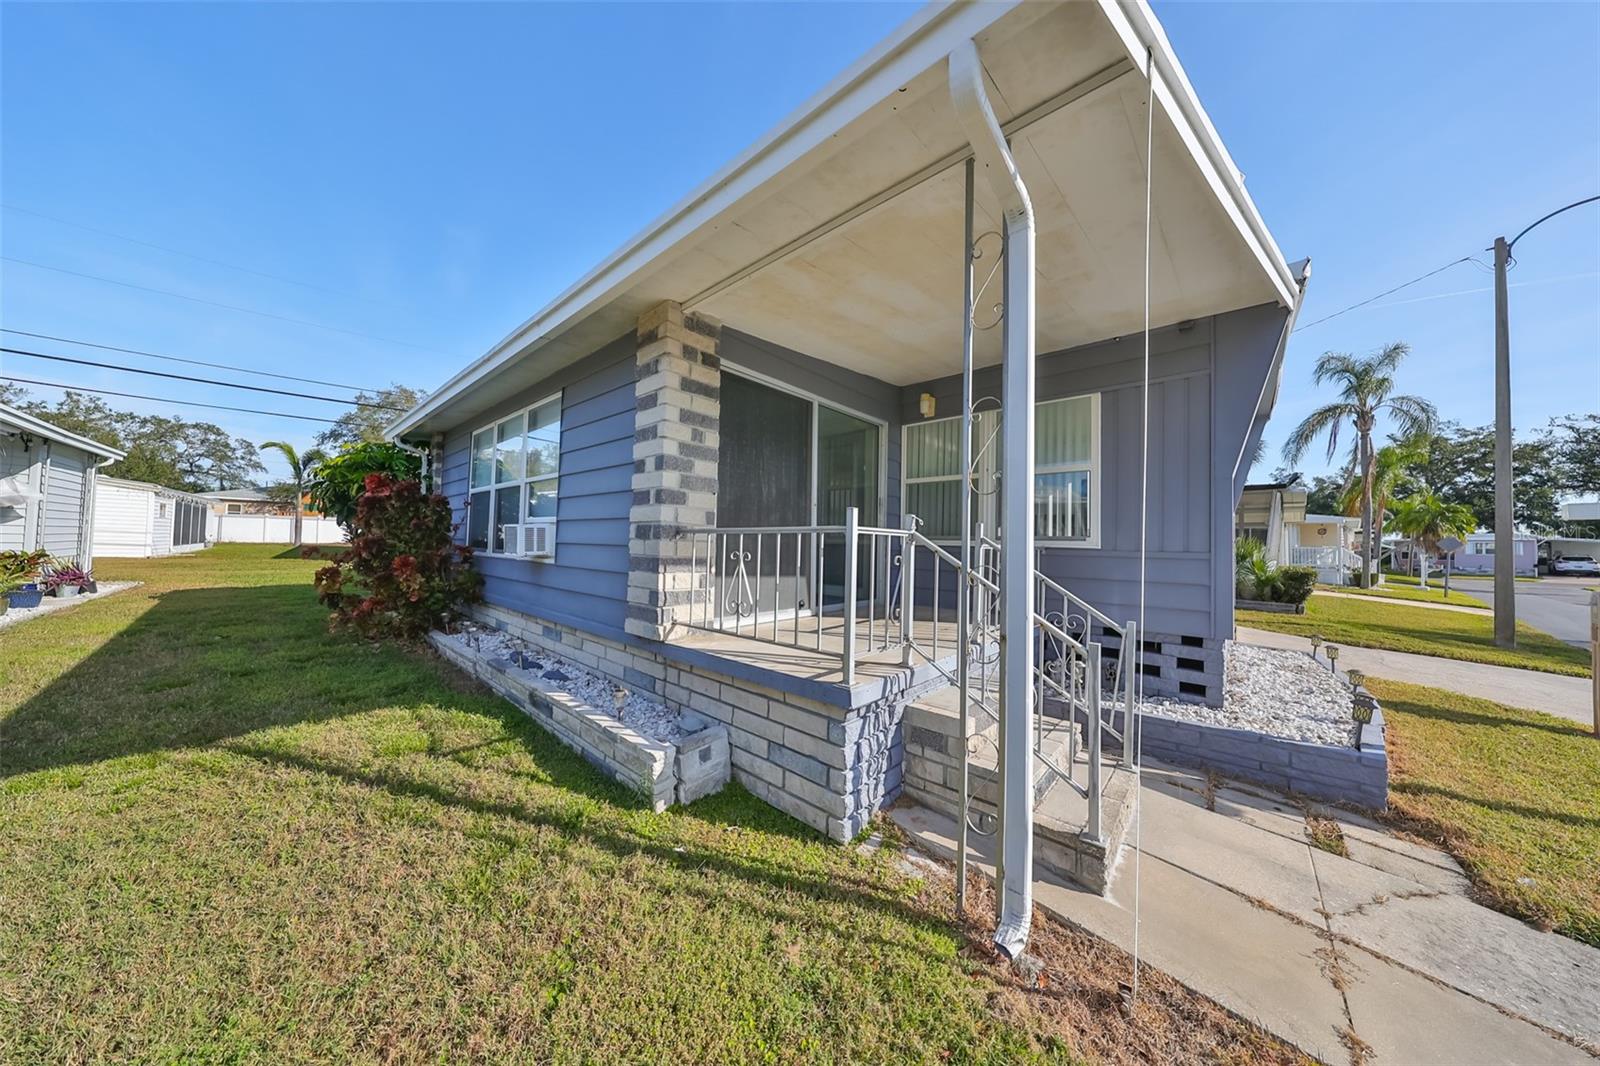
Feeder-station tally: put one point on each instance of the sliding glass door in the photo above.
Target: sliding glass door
(788, 461)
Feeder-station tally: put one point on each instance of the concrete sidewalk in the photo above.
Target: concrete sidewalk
(1479, 611)
(1557, 694)
(1383, 945)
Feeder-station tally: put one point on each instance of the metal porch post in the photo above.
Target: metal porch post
(852, 539)
(966, 585)
(1016, 513)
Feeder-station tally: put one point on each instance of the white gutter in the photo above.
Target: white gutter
(993, 160)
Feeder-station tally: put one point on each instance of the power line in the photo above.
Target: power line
(202, 381)
(164, 399)
(197, 258)
(1386, 292)
(180, 359)
(225, 307)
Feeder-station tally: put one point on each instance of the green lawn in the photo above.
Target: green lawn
(1432, 594)
(1376, 623)
(1515, 795)
(229, 837)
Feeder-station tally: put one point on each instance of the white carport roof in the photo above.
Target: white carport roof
(40, 428)
(839, 234)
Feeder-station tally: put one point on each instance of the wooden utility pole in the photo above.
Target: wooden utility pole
(1505, 558)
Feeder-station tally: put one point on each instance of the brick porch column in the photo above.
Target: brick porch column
(677, 397)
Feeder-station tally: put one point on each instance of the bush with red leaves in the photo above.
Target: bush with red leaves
(402, 574)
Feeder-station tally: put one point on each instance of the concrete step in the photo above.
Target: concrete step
(1061, 813)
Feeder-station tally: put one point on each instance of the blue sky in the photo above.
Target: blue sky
(432, 174)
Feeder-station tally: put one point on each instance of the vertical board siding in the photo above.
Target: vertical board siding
(587, 583)
(1206, 379)
(122, 520)
(63, 506)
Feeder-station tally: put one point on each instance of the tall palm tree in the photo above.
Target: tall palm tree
(1391, 471)
(1366, 389)
(1426, 520)
(300, 466)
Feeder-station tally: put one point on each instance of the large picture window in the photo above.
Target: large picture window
(515, 473)
(1066, 478)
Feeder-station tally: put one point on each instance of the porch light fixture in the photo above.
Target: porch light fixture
(927, 404)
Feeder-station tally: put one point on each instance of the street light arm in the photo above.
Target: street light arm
(1547, 218)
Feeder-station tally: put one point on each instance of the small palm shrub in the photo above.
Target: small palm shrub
(403, 574)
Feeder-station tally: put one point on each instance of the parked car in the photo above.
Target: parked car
(1575, 566)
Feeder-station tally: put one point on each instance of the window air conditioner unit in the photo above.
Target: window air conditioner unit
(533, 540)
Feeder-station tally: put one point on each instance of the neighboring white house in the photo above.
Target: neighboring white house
(1275, 514)
(139, 520)
(48, 482)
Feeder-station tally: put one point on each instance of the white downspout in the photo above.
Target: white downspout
(993, 159)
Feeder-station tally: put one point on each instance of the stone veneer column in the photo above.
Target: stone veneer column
(677, 406)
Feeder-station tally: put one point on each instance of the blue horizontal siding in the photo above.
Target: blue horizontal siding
(587, 583)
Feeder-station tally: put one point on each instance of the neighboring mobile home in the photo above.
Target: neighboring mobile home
(248, 501)
(139, 520)
(672, 471)
(48, 481)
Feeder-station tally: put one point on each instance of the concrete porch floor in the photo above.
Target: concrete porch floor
(1236, 903)
(804, 653)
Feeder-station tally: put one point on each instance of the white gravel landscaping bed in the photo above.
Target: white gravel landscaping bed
(18, 615)
(648, 717)
(1277, 692)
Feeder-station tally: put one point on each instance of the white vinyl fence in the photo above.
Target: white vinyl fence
(272, 529)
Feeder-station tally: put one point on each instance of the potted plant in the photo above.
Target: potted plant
(19, 573)
(67, 581)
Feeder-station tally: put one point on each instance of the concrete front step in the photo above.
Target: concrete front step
(1061, 813)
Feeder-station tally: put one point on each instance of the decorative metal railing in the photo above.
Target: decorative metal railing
(850, 591)
(832, 589)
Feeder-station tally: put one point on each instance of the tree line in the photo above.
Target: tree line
(198, 456)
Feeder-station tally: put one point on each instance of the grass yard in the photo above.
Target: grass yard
(1515, 795)
(229, 836)
(1375, 623)
(1431, 594)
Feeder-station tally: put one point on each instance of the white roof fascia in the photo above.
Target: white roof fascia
(923, 40)
(1136, 24)
(916, 46)
(38, 426)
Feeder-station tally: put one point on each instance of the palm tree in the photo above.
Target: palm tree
(1365, 387)
(1391, 470)
(1426, 520)
(300, 466)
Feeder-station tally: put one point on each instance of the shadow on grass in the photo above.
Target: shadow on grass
(312, 551)
(1544, 723)
(1419, 788)
(733, 807)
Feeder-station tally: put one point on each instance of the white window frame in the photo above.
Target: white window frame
(233, 508)
(988, 507)
(522, 484)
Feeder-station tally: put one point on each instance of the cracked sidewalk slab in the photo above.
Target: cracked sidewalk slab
(1237, 904)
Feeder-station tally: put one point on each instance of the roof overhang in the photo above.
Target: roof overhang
(40, 428)
(839, 234)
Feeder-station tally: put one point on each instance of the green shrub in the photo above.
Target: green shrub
(1294, 583)
(338, 481)
(403, 574)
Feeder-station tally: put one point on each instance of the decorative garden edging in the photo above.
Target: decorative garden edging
(1270, 606)
(663, 772)
(1321, 771)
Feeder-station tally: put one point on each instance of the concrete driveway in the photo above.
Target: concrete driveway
(1557, 605)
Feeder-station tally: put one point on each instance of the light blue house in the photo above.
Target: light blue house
(726, 466)
(48, 478)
